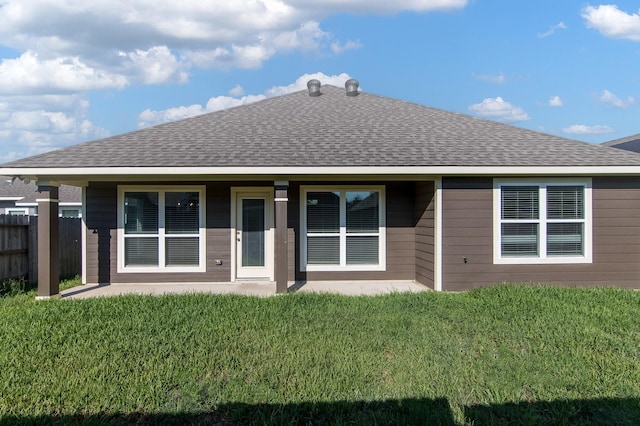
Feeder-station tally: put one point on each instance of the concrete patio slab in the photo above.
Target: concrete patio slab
(261, 289)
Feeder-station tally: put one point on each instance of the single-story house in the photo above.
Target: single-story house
(335, 184)
(19, 197)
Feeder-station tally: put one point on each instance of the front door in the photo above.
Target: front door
(254, 244)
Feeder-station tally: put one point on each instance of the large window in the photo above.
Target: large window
(548, 222)
(161, 229)
(343, 228)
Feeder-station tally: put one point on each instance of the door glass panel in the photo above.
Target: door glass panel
(253, 232)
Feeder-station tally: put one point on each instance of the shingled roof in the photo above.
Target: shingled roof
(331, 130)
(27, 193)
(628, 143)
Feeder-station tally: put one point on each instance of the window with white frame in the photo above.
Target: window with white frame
(69, 212)
(542, 222)
(13, 211)
(161, 229)
(343, 228)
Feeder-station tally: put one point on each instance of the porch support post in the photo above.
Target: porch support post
(48, 241)
(281, 238)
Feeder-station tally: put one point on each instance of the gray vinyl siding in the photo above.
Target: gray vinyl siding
(424, 208)
(468, 232)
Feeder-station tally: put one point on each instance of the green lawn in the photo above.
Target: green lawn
(501, 355)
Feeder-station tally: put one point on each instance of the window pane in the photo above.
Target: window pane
(565, 202)
(182, 251)
(253, 232)
(565, 239)
(323, 250)
(182, 212)
(362, 211)
(323, 212)
(520, 202)
(141, 251)
(141, 212)
(519, 239)
(70, 213)
(362, 250)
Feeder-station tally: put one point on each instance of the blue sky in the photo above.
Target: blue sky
(72, 70)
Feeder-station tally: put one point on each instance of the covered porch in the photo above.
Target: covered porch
(260, 289)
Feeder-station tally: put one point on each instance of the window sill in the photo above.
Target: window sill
(345, 268)
(541, 261)
(158, 270)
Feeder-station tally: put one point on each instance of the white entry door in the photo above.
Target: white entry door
(253, 235)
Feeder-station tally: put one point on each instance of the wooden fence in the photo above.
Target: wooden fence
(19, 247)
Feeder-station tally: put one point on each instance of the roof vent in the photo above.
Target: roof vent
(352, 87)
(314, 87)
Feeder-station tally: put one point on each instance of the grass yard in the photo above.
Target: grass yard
(501, 355)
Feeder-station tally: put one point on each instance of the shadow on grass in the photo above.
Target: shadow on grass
(397, 412)
(609, 411)
(405, 411)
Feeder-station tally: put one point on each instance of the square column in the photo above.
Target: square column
(281, 238)
(48, 242)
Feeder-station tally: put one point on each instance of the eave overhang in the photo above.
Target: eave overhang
(78, 175)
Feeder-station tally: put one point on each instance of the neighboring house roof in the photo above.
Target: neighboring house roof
(629, 143)
(26, 194)
(332, 130)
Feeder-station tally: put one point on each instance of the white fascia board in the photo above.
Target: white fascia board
(61, 204)
(69, 173)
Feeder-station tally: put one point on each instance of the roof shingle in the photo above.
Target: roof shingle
(331, 130)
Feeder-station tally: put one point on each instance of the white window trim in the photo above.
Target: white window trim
(74, 208)
(382, 230)
(24, 210)
(200, 189)
(542, 221)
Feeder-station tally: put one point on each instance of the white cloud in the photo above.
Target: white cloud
(581, 129)
(339, 48)
(166, 38)
(559, 26)
(609, 98)
(29, 74)
(33, 132)
(156, 65)
(308, 36)
(497, 79)
(33, 124)
(500, 110)
(301, 83)
(555, 101)
(237, 91)
(67, 48)
(612, 22)
(150, 118)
